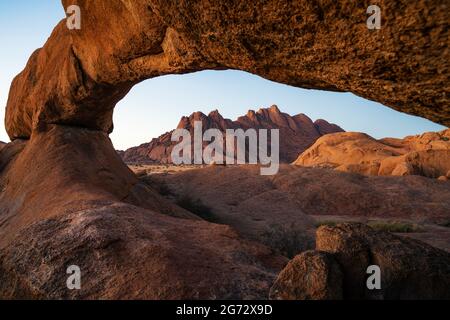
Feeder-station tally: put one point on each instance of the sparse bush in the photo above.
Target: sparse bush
(197, 207)
(389, 226)
(445, 224)
(287, 240)
(159, 185)
(395, 227)
(164, 189)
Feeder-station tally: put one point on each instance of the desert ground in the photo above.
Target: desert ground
(260, 207)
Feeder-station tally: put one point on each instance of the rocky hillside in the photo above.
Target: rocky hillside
(427, 154)
(2, 144)
(297, 133)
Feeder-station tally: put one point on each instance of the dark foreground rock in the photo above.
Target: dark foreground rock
(312, 275)
(409, 268)
(125, 252)
(67, 199)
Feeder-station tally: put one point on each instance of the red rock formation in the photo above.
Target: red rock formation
(79, 75)
(427, 154)
(297, 133)
(66, 198)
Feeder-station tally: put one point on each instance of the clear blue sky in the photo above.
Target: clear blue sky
(156, 105)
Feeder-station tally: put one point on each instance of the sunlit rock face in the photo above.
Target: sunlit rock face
(79, 75)
(426, 154)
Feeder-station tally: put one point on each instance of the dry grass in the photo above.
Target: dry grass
(445, 224)
(287, 240)
(159, 185)
(197, 207)
(389, 226)
(395, 226)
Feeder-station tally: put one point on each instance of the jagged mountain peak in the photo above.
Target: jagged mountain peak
(297, 133)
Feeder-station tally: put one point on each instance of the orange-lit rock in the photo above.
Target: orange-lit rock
(427, 154)
(79, 75)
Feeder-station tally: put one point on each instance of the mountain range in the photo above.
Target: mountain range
(297, 133)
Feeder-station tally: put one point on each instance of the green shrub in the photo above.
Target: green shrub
(395, 227)
(389, 226)
(159, 185)
(445, 224)
(163, 189)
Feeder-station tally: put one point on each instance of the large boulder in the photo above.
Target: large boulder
(67, 199)
(79, 75)
(126, 252)
(312, 275)
(409, 268)
(427, 154)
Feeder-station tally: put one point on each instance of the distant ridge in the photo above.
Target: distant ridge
(297, 133)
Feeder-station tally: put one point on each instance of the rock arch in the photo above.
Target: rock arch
(67, 198)
(79, 75)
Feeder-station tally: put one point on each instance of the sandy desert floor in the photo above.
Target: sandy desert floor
(271, 210)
